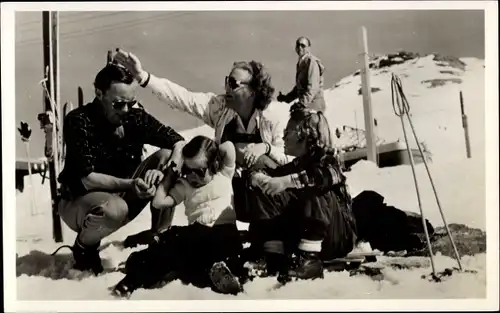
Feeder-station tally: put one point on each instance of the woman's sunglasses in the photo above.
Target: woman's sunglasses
(200, 172)
(233, 84)
(120, 104)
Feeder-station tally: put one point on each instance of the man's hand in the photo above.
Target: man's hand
(253, 152)
(131, 63)
(176, 156)
(153, 177)
(142, 190)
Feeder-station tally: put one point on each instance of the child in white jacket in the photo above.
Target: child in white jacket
(211, 236)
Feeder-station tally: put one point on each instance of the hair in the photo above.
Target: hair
(260, 83)
(307, 39)
(312, 127)
(112, 73)
(209, 147)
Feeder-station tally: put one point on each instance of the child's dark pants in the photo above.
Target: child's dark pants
(189, 251)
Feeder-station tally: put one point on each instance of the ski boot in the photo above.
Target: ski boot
(276, 264)
(124, 288)
(87, 258)
(223, 280)
(307, 265)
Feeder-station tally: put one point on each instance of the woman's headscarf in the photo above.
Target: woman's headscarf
(312, 126)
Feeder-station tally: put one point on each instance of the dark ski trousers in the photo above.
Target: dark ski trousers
(295, 214)
(187, 251)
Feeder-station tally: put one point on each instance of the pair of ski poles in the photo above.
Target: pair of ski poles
(401, 108)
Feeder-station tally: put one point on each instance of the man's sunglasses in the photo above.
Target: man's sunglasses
(302, 45)
(120, 104)
(200, 172)
(232, 83)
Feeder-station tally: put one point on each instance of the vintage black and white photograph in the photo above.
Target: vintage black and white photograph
(231, 152)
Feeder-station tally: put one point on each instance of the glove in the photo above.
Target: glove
(25, 131)
(281, 97)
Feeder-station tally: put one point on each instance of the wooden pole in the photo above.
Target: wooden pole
(465, 126)
(367, 105)
(80, 97)
(50, 122)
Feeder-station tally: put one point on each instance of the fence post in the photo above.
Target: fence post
(50, 122)
(465, 125)
(371, 148)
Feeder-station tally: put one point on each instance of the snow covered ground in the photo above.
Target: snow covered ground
(44, 277)
(460, 183)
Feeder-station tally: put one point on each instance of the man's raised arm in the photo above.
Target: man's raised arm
(205, 106)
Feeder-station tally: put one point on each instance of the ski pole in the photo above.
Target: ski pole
(401, 109)
(25, 132)
(457, 256)
(34, 210)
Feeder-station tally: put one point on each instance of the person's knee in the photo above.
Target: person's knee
(115, 210)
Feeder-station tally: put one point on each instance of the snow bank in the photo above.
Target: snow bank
(399, 284)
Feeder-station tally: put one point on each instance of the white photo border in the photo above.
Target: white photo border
(8, 158)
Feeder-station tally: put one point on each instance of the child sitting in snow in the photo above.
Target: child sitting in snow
(211, 236)
(303, 208)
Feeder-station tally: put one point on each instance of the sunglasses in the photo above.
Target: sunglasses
(232, 83)
(302, 45)
(120, 104)
(200, 172)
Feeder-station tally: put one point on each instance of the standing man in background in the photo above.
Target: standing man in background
(308, 79)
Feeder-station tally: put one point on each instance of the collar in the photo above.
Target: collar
(253, 123)
(301, 58)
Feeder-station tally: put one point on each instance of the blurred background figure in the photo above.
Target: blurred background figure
(308, 79)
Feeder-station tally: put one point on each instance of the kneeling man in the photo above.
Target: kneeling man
(104, 184)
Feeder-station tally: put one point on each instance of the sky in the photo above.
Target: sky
(197, 49)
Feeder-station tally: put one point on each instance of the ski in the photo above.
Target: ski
(49, 118)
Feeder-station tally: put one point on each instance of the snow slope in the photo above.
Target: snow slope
(435, 111)
(459, 181)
